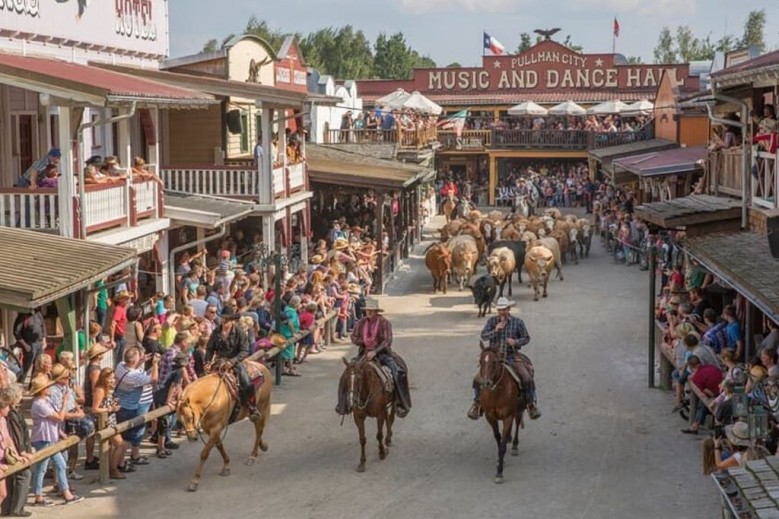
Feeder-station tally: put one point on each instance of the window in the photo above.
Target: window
(245, 131)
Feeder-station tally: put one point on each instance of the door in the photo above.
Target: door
(25, 132)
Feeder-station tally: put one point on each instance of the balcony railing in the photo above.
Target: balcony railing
(238, 181)
(728, 171)
(105, 206)
(469, 140)
(361, 136)
(765, 185)
(563, 139)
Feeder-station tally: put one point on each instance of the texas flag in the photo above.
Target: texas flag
(493, 45)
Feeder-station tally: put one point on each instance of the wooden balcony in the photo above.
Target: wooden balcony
(361, 136)
(469, 140)
(105, 206)
(563, 139)
(236, 181)
(765, 186)
(727, 171)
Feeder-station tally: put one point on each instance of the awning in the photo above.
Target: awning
(744, 261)
(38, 268)
(92, 85)
(332, 166)
(584, 97)
(666, 162)
(761, 68)
(689, 210)
(203, 210)
(216, 86)
(633, 148)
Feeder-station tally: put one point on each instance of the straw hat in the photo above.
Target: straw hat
(40, 383)
(124, 294)
(58, 372)
(316, 259)
(738, 434)
(340, 244)
(357, 229)
(372, 304)
(95, 350)
(354, 289)
(504, 303)
(278, 340)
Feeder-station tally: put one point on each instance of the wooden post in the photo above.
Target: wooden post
(277, 310)
(104, 450)
(493, 184)
(379, 242)
(749, 330)
(651, 335)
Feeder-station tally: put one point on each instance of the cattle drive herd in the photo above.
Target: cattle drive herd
(504, 244)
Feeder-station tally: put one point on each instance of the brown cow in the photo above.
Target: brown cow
(563, 240)
(501, 265)
(539, 262)
(472, 230)
(438, 260)
(465, 257)
(552, 245)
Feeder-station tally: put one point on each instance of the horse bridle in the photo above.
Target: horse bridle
(495, 384)
(353, 394)
(198, 429)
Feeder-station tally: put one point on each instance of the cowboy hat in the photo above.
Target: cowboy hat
(58, 372)
(357, 229)
(372, 304)
(738, 434)
(278, 340)
(504, 303)
(354, 288)
(181, 360)
(124, 294)
(340, 244)
(40, 383)
(316, 259)
(95, 350)
(228, 312)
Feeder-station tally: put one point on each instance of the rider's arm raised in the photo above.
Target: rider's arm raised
(489, 329)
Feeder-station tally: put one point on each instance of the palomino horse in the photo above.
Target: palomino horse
(449, 206)
(366, 396)
(207, 404)
(501, 401)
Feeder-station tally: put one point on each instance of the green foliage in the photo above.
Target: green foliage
(524, 43)
(571, 45)
(754, 30)
(664, 51)
(454, 64)
(211, 45)
(261, 29)
(635, 60)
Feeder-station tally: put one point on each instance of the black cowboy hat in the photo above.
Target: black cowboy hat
(94, 160)
(228, 312)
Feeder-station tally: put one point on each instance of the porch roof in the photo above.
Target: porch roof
(333, 166)
(689, 210)
(216, 86)
(92, 85)
(665, 162)
(203, 210)
(625, 150)
(744, 261)
(38, 268)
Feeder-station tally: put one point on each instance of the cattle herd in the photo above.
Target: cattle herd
(504, 244)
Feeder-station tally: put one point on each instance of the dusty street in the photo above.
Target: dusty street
(606, 446)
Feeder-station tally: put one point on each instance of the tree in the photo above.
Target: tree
(454, 64)
(392, 59)
(571, 45)
(664, 51)
(211, 45)
(635, 60)
(690, 48)
(419, 61)
(725, 44)
(342, 53)
(754, 30)
(262, 30)
(524, 43)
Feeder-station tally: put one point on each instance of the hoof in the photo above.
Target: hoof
(225, 472)
(388, 442)
(264, 446)
(545, 295)
(361, 467)
(192, 487)
(250, 461)
(383, 455)
(515, 451)
(499, 480)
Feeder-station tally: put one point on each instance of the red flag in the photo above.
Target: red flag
(616, 28)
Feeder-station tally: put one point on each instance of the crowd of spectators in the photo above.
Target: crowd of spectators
(595, 123)
(373, 125)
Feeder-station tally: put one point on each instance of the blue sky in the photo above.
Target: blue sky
(451, 30)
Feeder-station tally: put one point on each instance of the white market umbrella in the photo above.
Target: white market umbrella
(567, 108)
(418, 102)
(393, 99)
(609, 107)
(528, 108)
(643, 107)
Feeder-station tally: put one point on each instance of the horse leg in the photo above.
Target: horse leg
(259, 443)
(360, 422)
(380, 434)
(390, 421)
(502, 443)
(225, 458)
(515, 441)
(511, 275)
(212, 439)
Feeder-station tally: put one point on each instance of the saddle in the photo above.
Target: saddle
(385, 375)
(226, 373)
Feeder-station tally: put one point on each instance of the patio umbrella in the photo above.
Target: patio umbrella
(528, 108)
(567, 108)
(393, 100)
(643, 107)
(420, 103)
(609, 107)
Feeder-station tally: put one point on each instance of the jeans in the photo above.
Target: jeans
(100, 315)
(39, 469)
(700, 413)
(142, 410)
(28, 358)
(18, 487)
(119, 350)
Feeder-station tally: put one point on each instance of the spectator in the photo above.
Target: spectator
(733, 331)
(118, 322)
(168, 394)
(771, 340)
(289, 327)
(92, 372)
(708, 379)
(46, 430)
(104, 402)
(30, 332)
(18, 441)
(135, 394)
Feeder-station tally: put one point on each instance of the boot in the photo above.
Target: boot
(402, 396)
(254, 414)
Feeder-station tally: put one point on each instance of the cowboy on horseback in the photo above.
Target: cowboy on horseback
(373, 335)
(507, 334)
(231, 344)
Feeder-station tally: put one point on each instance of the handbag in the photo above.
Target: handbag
(82, 427)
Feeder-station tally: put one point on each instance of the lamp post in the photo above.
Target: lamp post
(265, 258)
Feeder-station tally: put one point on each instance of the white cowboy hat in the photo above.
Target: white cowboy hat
(372, 304)
(738, 434)
(504, 303)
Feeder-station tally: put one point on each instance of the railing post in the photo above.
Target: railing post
(104, 450)
(133, 205)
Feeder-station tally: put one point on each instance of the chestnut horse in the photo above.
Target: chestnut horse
(449, 206)
(207, 404)
(366, 396)
(501, 401)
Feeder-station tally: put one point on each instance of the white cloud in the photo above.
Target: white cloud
(486, 6)
(668, 8)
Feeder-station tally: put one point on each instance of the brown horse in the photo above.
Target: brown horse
(207, 404)
(449, 206)
(501, 401)
(366, 396)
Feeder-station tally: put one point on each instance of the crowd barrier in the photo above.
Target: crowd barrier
(104, 433)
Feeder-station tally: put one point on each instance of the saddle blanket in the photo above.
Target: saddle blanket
(384, 374)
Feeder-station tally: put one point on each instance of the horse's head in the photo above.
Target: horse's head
(351, 382)
(187, 418)
(489, 366)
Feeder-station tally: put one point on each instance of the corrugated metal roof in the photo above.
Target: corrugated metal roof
(204, 211)
(632, 148)
(333, 166)
(664, 162)
(95, 81)
(38, 268)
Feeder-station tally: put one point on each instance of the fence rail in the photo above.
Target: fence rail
(361, 135)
